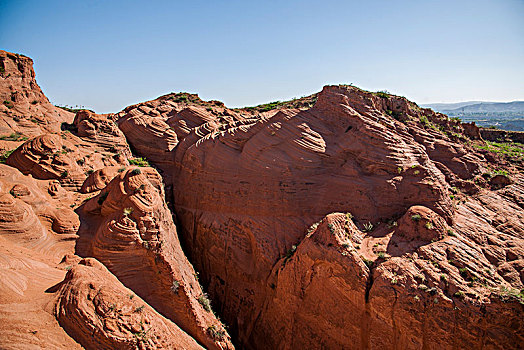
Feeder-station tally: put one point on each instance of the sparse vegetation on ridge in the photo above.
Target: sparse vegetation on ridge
(141, 162)
(13, 137)
(203, 299)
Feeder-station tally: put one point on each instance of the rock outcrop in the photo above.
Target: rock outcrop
(251, 188)
(342, 220)
(68, 158)
(24, 110)
(100, 313)
(134, 236)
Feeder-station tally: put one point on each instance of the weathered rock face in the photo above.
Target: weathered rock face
(246, 191)
(154, 128)
(66, 157)
(33, 214)
(134, 236)
(100, 313)
(100, 131)
(424, 246)
(24, 108)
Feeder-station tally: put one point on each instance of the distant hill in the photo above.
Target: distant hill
(489, 107)
(477, 107)
(439, 107)
(502, 115)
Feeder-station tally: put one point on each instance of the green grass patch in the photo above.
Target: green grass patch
(4, 155)
(141, 162)
(512, 149)
(13, 137)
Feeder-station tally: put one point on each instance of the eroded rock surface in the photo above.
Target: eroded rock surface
(251, 188)
(25, 110)
(134, 236)
(344, 219)
(100, 313)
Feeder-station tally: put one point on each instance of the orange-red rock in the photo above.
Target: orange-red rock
(246, 192)
(100, 313)
(24, 108)
(425, 248)
(129, 228)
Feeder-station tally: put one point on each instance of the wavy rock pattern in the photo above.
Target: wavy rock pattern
(136, 239)
(251, 188)
(100, 313)
(61, 157)
(98, 130)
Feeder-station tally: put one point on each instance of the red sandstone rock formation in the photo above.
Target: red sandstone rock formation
(134, 236)
(100, 313)
(24, 109)
(68, 158)
(425, 248)
(251, 190)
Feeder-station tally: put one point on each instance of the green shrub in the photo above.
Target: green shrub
(139, 309)
(4, 155)
(383, 93)
(128, 211)
(204, 301)
(416, 217)
(369, 263)
(216, 333)
(459, 294)
(141, 162)
(175, 286)
(136, 171)
(13, 137)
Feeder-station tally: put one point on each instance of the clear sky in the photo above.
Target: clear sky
(110, 54)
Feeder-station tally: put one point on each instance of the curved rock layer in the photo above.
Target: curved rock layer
(245, 192)
(102, 132)
(100, 313)
(134, 236)
(154, 128)
(26, 321)
(25, 110)
(61, 157)
(32, 217)
(427, 251)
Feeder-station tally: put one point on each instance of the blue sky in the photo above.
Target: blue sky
(110, 54)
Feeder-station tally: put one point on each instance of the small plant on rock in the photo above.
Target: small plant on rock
(205, 302)
(139, 309)
(216, 333)
(128, 211)
(175, 286)
(416, 217)
(368, 227)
